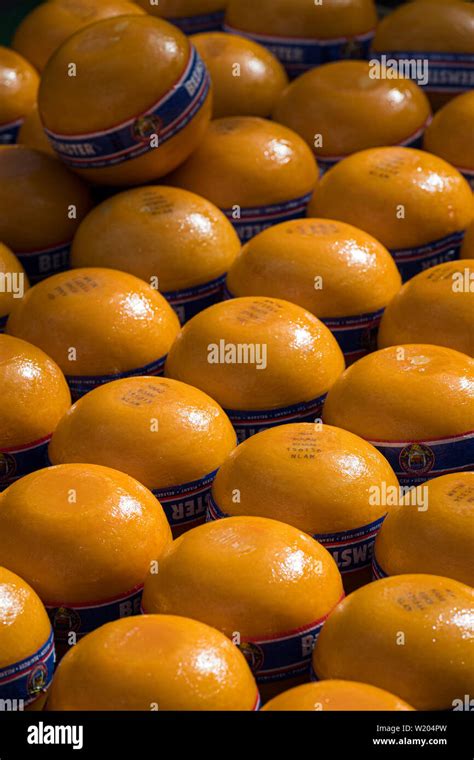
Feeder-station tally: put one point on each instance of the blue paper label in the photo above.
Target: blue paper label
(411, 261)
(251, 221)
(447, 72)
(377, 571)
(3, 323)
(357, 336)
(208, 22)
(418, 461)
(23, 682)
(43, 263)
(79, 385)
(299, 54)
(131, 139)
(189, 302)
(83, 618)
(413, 141)
(186, 504)
(351, 549)
(21, 460)
(247, 424)
(9, 132)
(281, 656)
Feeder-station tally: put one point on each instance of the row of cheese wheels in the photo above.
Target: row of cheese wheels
(301, 34)
(372, 108)
(265, 588)
(335, 480)
(183, 245)
(265, 361)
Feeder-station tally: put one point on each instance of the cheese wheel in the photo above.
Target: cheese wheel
(164, 660)
(319, 478)
(45, 204)
(408, 634)
(19, 84)
(179, 240)
(436, 306)
(191, 16)
(168, 435)
(340, 108)
(336, 695)
(26, 645)
(34, 397)
(449, 133)
(247, 79)
(467, 248)
(429, 531)
(437, 38)
(13, 283)
(258, 172)
(304, 34)
(415, 404)
(135, 106)
(264, 584)
(83, 536)
(334, 270)
(265, 361)
(51, 23)
(98, 324)
(414, 203)
(32, 133)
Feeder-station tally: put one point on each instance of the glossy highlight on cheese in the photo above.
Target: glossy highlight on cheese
(395, 394)
(34, 397)
(431, 530)
(247, 79)
(357, 274)
(436, 306)
(368, 188)
(24, 630)
(34, 392)
(178, 239)
(51, 23)
(125, 66)
(157, 430)
(315, 477)
(45, 202)
(336, 695)
(18, 90)
(256, 576)
(299, 359)
(154, 662)
(80, 533)
(409, 634)
(115, 322)
(344, 107)
(248, 162)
